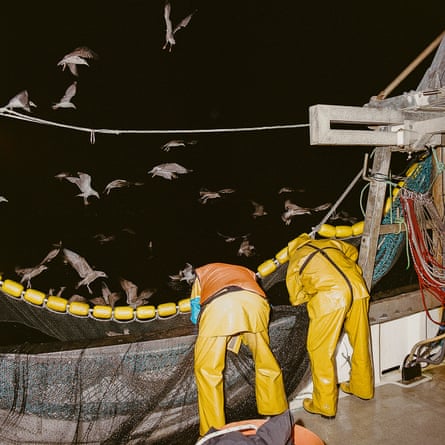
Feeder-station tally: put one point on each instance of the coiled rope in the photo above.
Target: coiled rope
(426, 235)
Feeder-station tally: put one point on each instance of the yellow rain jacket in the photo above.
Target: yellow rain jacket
(234, 310)
(325, 275)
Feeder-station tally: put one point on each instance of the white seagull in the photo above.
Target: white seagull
(108, 298)
(259, 210)
(205, 194)
(20, 100)
(135, 298)
(77, 57)
(83, 181)
(81, 266)
(28, 273)
(177, 143)
(169, 30)
(292, 210)
(169, 170)
(119, 183)
(187, 274)
(246, 248)
(65, 101)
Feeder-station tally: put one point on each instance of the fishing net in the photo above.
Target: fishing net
(391, 245)
(131, 389)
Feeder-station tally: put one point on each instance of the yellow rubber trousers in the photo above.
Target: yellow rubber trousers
(323, 335)
(210, 355)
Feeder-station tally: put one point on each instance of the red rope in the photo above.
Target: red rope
(422, 256)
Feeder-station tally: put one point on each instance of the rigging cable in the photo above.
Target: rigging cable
(5, 112)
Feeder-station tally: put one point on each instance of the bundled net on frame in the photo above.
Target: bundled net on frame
(391, 245)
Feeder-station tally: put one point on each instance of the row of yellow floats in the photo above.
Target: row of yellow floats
(99, 312)
(166, 310)
(345, 231)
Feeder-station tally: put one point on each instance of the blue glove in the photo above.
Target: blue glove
(195, 308)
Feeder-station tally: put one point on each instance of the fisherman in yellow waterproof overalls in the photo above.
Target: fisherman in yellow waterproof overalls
(233, 308)
(324, 274)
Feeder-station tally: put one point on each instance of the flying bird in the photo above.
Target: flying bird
(103, 239)
(186, 274)
(259, 210)
(169, 170)
(135, 298)
(177, 143)
(289, 190)
(232, 238)
(20, 100)
(206, 194)
(169, 30)
(83, 181)
(246, 248)
(28, 273)
(75, 58)
(108, 298)
(292, 210)
(65, 101)
(52, 253)
(119, 183)
(343, 216)
(62, 175)
(81, 266)
(3, 199)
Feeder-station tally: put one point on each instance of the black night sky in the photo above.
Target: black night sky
(237, 64)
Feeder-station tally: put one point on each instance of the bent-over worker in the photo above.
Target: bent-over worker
(234, 309)
(324, 274)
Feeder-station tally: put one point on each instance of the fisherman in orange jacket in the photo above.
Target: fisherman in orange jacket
(234, 309)
(324, 274)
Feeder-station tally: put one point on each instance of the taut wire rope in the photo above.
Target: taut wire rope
(5, 112)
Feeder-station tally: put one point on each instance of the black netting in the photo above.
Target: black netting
(132, 389)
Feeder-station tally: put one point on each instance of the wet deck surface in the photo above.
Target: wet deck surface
(399, 414)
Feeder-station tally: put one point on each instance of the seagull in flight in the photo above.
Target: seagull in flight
(28, 273)
(177, 143)
(135, 298)
(75, 58)
(186, 274)
(83, 181)
(119, 183)
(292, 210)
(169, 170)
(81, 266)
(108, 298)
(65, 101)
(259, 210)
(246, 248)
(169, 30)
(205, 194)
(20, 100)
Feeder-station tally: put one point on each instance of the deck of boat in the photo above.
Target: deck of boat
(409, 414)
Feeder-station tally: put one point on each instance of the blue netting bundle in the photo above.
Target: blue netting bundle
(391, 245)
